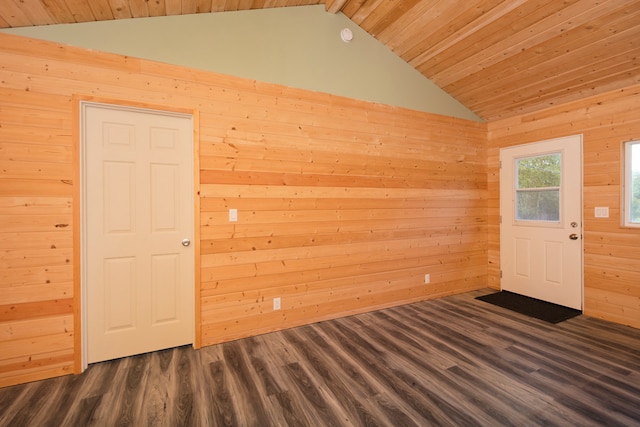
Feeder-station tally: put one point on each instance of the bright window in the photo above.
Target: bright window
(538, 188)
(632, 184)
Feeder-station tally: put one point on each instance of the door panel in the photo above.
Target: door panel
(138, 207)
(540, 208)
(119, 297)
(164, 280)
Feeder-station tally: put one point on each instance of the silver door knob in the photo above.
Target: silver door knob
(186, 242)
(573, 236)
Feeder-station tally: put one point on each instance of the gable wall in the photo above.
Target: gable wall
(343, 205)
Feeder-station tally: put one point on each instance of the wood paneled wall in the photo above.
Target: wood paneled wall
(343, 205)
(611, 252)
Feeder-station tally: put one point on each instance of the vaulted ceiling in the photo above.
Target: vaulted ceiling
(499, 58)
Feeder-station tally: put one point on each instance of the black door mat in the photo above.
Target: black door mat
(552, 313)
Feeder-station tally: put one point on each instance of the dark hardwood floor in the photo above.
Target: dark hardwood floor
(454, 361)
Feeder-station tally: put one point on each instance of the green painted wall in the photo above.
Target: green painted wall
(294, 46)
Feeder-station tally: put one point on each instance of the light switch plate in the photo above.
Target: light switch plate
(601, 212)
(233, 215)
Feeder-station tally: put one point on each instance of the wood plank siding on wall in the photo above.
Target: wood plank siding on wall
(611, 252)
(343, 205)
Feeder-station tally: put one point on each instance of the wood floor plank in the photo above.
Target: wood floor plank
(451, 361)
(352, 397)
(222, 410)
(423, 403)
(248, 395)
(83, 405)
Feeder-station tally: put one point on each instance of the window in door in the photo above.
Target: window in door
(631, 187)
(538, 188)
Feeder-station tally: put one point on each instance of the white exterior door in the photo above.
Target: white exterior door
(138, 208)
(541, 220)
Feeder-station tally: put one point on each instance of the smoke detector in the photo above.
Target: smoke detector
(346, 35)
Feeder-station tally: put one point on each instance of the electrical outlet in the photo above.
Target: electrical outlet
(276, 303)
(427, 278)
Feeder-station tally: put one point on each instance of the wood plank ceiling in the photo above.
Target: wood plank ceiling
(499, 58)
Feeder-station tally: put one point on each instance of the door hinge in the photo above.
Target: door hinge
(501, 274)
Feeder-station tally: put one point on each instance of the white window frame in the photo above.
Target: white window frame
(627, 187)
(538, 222)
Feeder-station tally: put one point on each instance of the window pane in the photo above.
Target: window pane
(538, 205)
(634, 185)
(539, 171)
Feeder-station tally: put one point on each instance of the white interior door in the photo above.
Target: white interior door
(138, 211)
(541, 220)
